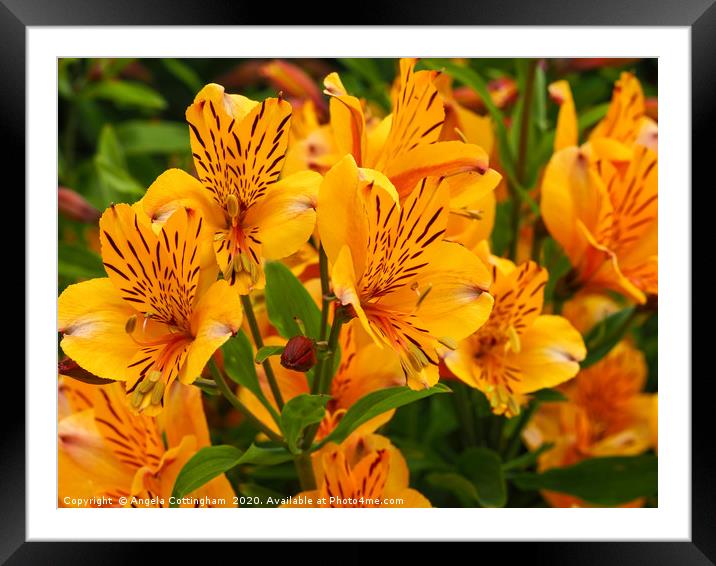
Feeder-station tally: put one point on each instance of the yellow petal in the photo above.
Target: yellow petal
(457, 303)
(626, 110)
(341, 218)
(344, 287)
(86, 466)
(92, 317)
(550, 354)
(434, 160)
(567, 134)
(347, 119)
(216, 317)
(183, 415)
(610, 150)
(286, 216)
(177, 189)
(571, 192)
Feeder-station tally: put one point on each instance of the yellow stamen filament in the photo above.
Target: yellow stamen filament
(424, 294)
(467, 213)
(462, 136)
(448, 342)
(514, 339)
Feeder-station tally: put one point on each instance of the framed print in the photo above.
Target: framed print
(408, 268)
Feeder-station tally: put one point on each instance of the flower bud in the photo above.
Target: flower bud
(299, 354)
(74, 206)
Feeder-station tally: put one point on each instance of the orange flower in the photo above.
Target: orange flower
(406, 145)
(364, 471)
(158, 315)
(519, 350)
(606, 414)
(106, 452)
(605, 218)
(239, 147)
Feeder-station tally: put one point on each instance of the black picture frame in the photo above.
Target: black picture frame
(699, 15)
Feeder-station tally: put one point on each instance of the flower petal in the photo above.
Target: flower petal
(567, 133)
(439, 159)
(92, 318)
(454, 285)
(216, 317)
(347, 119)
(341, 217)
(551, 349)
(177, 189)
(286, 216)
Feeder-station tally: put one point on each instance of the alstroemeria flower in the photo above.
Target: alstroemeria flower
(364, 368)
(364, 471)
(410, 289)
(157, 316)
(615, 135)
(239, 147)
(606, 414)
(106, 452)
(472, 195)
(600, 200)
(406, 145)
(605, 218)
(519, 350)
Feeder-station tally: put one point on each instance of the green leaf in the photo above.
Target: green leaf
(183, 72)
(266, 352)
(602, 481)
(548, 396)
(109, 147)
(78, 262)
(456, 484)
(606, 334)
(240, 367)
(204, 466)
(300, 412)
(139, 137)
(126, 93)
(590, 117)
(264, 456)
(287, 299)
(527, 459)
(557, 264)
(483, 468)
(117, 182)
(377, 403)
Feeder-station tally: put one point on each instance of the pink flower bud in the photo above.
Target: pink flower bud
(299, 354)
(75, 207)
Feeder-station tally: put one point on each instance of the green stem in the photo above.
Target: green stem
(497, 423)
(325, 291)
(236, 402)
(324, 370)
(465, 415)
(513, 447)
(258, 341)
(304, 468)
(522, 154)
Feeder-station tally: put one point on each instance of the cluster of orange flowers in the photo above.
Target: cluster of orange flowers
(386, 222)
